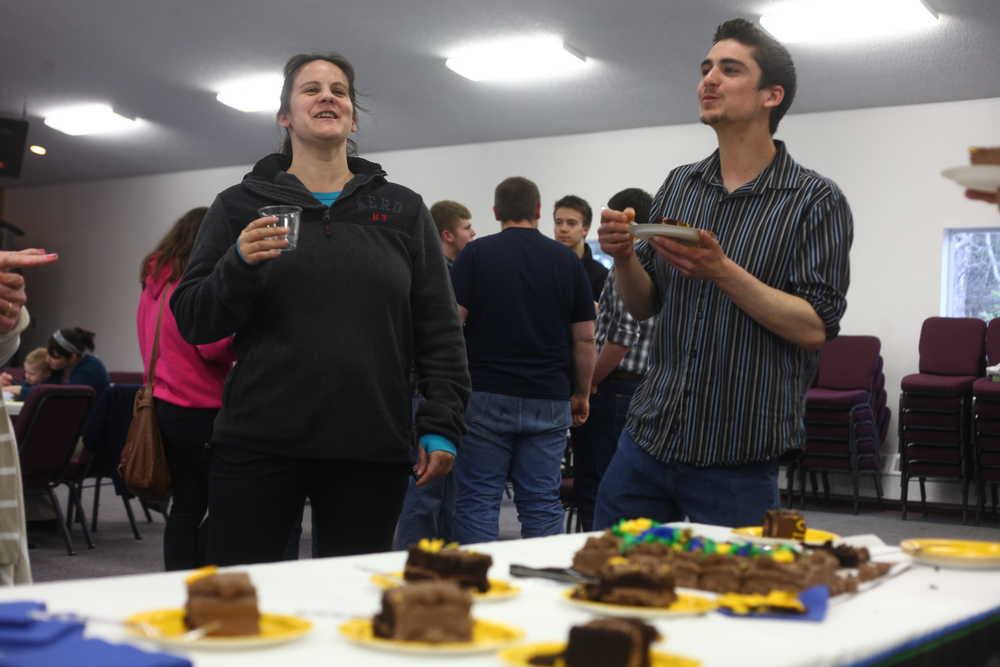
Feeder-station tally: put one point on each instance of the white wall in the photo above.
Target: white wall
(887, 160)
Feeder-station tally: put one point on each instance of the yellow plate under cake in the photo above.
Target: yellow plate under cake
(953, 553)
(274, 629)
(685, 605)
(518, 656)
(499, 589)
(487, 636)
(812, 534)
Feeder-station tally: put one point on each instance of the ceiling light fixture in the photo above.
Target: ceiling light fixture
(258, 93)
(517, 59)
(846, 20)
(89, 119)
(38, 150)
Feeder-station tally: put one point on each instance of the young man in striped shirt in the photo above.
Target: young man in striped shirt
(739, 319)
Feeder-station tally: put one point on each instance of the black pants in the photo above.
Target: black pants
(256, 498)
(186, 434)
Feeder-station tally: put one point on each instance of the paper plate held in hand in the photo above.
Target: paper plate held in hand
(687, 235)
(982, 177)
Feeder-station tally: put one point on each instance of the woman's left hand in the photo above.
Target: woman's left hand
(431, 466)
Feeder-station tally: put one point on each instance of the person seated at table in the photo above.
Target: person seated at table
(36, 371)
(72, 361)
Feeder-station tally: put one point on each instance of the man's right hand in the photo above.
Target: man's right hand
(616, 240)
(259, 241)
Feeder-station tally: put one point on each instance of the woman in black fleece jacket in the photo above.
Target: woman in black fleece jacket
(318, 404)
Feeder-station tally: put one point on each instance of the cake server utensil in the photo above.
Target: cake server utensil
(563, 574)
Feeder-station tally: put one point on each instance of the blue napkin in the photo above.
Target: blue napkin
(18, 629)
(76, 651)
(814, 599)
(19, 613)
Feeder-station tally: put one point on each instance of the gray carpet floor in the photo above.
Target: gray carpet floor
(117, 552)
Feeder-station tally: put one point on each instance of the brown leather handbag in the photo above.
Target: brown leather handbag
(143, 466)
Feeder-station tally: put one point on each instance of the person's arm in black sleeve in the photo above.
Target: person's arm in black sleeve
(439, 346)
(215, 295)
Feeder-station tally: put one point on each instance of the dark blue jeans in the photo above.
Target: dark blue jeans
(638, 485)
(428, 511)
(595, 442)
(520, 438)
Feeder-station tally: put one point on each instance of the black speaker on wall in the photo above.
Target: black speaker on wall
(13, 134)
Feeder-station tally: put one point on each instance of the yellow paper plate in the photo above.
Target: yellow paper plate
(954, 553)
(499, 589)
(487, 636)
(274, 629)
(685, 605)
(518, 656)
(812, 535)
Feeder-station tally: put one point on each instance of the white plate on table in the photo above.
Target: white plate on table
(981, 177)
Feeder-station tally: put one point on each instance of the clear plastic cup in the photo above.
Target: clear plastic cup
(288, 216)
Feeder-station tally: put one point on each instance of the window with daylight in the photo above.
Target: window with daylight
(972, 273)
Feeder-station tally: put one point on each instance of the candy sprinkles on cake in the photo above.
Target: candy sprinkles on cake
(636, 532)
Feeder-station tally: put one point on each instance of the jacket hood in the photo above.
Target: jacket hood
(271, 179)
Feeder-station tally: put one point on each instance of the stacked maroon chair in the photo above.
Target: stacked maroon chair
(845, 411)
(47, 429)
(986, 431)
(935, 430)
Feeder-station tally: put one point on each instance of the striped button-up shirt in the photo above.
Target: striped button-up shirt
(720, 388)
(616, 325)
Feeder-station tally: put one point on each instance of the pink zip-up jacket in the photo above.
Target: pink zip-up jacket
(187, 375)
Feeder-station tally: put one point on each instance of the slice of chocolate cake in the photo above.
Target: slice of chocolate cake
(432, 560)
(981, 155)
(224, 604)
(595, 553)
(430, 611)
(641, 583)
(787, 524)
(722, 574)
(765, 575)
(610, 642)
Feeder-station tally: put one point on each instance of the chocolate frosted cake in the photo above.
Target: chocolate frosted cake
(787, 524)
(431, 611)
(639, 582)
(846, 556)
(979, 155)
(610, 642)
(432, 560)
(224, 604)
(595, 553)
(722, 574)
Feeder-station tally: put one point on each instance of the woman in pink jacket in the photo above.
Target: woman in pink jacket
(187, 391)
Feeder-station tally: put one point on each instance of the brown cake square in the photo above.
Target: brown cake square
(722, 574)
(641, 583)
(787, 524)
(980, 155)
(225, 604)
(765, 575)
(430, 611)
(610, 642)
(430, 561)
(595, 553)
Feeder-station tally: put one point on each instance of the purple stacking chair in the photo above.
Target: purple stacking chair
(935, 431)
(986, 419)
(842, 427)
(47, 430)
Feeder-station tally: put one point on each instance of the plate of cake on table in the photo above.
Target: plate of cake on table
(784, 526)
(983, 172)
(429, 617)
(221, 613)
(433, 560)
(604, 642)
(658, 552)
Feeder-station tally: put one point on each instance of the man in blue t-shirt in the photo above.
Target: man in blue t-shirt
(529, 330)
